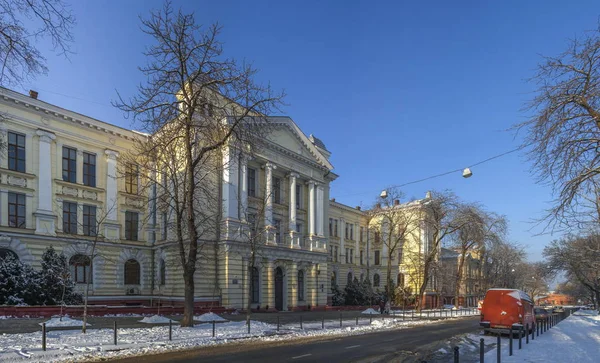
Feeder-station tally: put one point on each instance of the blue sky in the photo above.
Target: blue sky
(397, 90)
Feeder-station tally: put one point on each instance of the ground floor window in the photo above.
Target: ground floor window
(254, 286)
(300, 285)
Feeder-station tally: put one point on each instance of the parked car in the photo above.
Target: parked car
(447, 306)
(558, 309)
(502, 308)
(540, 313)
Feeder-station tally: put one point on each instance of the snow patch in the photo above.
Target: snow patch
(56, 322)
(156, 319)
(208, 317)
(370, 311)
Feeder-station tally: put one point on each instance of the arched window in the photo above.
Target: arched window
(349, 281)
(5, 252)
(300, 285)
(163, 272)
(255, 286)
(401, 279)
(132, 272)
(333, 279)
(80, 266)
(376, 280)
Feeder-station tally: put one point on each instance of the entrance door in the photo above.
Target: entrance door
(278, 289)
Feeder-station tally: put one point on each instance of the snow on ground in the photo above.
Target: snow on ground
(575, 339)
(65, 321)
(370, 311)
(156, 319)
(72, 345)
(128, 315)
(208, 317)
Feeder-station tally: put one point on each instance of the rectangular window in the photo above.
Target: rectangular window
(377, 237)
(400, 256)
(351, 256)
(131, 178)
(89, 220)
(362, 232)
(346, 232)
(70, 217)
(276, 190)
(69, 164)
(361, 256)
(335, 227)
(277, 226)
(16, 152)
(165, 225)
(299, 227)
(251, 182)
(331, 251)
(89, 169)
(347, 255)
(377, 261)
(16, 210)
(336, 254)
(330, 226)
(252, 222)
(131, 226)
(352, 232)
(298, 196)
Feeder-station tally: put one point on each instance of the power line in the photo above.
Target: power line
(446, 173)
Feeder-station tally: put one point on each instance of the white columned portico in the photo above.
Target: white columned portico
(111, 224)
(230, 184)
(44, 215)
(320, 209)
(311, 208)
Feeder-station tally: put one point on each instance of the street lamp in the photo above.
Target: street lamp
(467, 173)
(383, 194)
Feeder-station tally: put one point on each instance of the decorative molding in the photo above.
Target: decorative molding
(90, 195)
(111, 154)
(74, 192)
(45, 136)
(17, 181)
(19, 248)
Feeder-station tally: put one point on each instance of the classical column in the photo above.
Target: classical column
(243, 187)
(342, 242)
(293, 201)
(44, 215)
(269, 193)
(311, 208)
(356, 244)
(111, 184)
(320, 208)
(293, 285)
(270, 298)
(230, 184)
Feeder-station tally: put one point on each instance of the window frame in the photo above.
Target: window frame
(132, 234)
(18, 164)
(69, 217)
(251, 180)
(90, 224)
(301, 295)
(277, 227)
(276, 189)
(162, 271)
(255, 285)
(132, 173)
(69, 174)
(298, 196)
(14, 206)
(89, 169)
(377, 258)
(85, 263)
(132, 266)
(376, 280)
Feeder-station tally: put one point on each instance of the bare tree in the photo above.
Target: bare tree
(579, 258)
(500, 260)
(22, 23)
(563, 132)
(398, 223)
(198, 106)
(533, 278)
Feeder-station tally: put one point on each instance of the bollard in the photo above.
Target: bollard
(455, 354)
(481, 350)
(510, 341)
(170, 329)
(213, 326)
(370, 319)
(533, 327)
(527, 333)
(446, 313)
(300, 321)
(340, 320)
(357, 320)
(498, 353)
(248, 327)
(115, 333)
(323, 322)
(520, 336)
(44, 337)
(277, 322)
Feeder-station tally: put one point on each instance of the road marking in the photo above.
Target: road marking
(389, 340)
(353, 346)
(302, 356)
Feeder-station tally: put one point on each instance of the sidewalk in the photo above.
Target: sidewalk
(575, 339)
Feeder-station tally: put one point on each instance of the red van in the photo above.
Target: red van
(503, 308)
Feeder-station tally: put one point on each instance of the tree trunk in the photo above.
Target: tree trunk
(423, 286)
(87, 288)
(188, 300)
(461, 262)
(389, 275)
(249, 302)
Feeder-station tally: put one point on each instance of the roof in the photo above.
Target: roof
(448, 253)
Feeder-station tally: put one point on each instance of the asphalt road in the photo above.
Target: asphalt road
(373, 347)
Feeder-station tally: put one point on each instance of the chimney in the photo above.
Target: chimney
(396, 201)
(428, 195)
(33, 94)
(378, 206)
(333, 199)
(358, 207)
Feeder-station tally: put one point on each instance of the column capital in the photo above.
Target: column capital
(111, 154)
(293, 175)
(312, 182)
(45, 136)
(269, 165)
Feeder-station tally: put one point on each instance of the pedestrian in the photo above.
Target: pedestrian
(381, 306)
